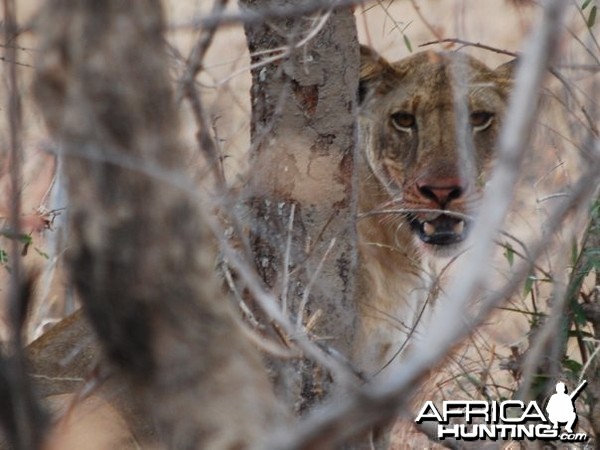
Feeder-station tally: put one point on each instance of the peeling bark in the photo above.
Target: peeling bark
(303, 130)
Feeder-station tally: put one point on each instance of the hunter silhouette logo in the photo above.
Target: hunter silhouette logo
(510, 419)
(561, 406)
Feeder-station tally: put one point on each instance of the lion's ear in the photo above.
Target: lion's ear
(374, 70)
(505, 74)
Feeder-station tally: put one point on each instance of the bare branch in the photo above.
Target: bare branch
(426, 22)
(194, 66)
(470, 44)
(260, 16)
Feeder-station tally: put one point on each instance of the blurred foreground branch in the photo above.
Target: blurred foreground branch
(138, 252)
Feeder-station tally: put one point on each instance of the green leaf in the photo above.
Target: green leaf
(24, 238)
(407, 43)
(578, 314)
(509, 253)
(3, 257)
(41, 253)
(528, 285)
(574, 253)
(580, 334)
(585, 4)
(572, 365)
(592, 17)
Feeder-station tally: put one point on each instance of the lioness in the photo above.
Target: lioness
(425, 162)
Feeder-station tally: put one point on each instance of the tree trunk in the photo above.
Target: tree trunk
(138, 250)
(303, 138)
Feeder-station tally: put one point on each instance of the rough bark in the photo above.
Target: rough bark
(138, 251)
(303, 130)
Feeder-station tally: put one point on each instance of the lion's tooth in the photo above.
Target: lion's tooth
(428, 228)
(459, 227)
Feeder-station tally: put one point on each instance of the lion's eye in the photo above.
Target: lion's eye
(403, 121)
(480, 120)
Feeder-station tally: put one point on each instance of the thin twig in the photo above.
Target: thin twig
(246, 312)
(401, 211)
(194, 66)
(279, 52)
(313, 279)
(14, 61)
(425, 21)
(590, 360)
(585, 67)
(260, 16)
(388, 15)
(590, 122)
(286, 262)
(470, 44)
(18, 47)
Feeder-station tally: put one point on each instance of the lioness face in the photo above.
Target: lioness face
(429, 124)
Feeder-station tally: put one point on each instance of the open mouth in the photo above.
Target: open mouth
(443, 230)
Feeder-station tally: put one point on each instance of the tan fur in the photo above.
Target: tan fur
(416, 166)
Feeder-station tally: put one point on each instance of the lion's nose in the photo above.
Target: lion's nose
(441, 191)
